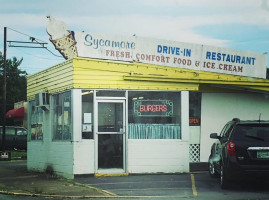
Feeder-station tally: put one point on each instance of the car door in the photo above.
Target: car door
(221, 143)
(21, 138)
(10, 141)
(224, 140)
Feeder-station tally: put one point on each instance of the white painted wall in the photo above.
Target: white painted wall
(195, 134)
(219, 108)
(41, 154)
(185, 115)
(83, 148)
(84, 157)
(77, 156)
(166, 156)
(153, 156)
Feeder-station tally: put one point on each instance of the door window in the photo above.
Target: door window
(111, 135)
(110, 117)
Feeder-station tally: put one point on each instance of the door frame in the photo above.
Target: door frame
(110, 100)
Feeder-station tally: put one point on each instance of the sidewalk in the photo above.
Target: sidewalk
(15, 180)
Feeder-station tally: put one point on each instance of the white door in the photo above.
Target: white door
(111, 135)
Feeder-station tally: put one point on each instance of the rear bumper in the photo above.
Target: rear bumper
(238, 171)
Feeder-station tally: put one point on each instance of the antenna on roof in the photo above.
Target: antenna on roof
(260, 117)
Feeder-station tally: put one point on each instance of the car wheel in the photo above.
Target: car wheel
(211, 168)
(224, 182)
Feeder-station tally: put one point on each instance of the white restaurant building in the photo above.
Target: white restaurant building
(138, 105)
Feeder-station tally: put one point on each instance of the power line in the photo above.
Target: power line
(37, 56)
(41, 43)
(24, 34)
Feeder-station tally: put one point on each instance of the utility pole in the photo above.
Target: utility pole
(4, 155)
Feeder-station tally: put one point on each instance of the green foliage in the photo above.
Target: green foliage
(16, 83)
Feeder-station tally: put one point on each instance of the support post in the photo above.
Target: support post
(3, 154)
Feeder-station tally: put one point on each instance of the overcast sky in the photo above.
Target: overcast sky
(237, 24)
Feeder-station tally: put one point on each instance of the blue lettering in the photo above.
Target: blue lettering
(88, 43)
(122, 44)
(243, 61)
(165, 49)
(188, 52)
(177, 51)
(213, 55)
(173, 50)
(233, 58)
(208, 55)
(159, 49)
(101, 42)
(223, 56)
(238, 58)
(248, 61)
(219, 56)
(253, 60)
(95, 42)
(107, 43)
(228, 59)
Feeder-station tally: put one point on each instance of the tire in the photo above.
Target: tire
(224, 182)
(211, 168)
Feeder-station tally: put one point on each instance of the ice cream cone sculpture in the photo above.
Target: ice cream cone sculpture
(61, 38)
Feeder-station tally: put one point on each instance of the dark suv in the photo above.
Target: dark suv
(241, 151)
(16, 138)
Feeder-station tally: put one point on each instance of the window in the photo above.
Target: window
(36, 121)
(21, 131)
(62, 123)
(195, 108)
(110, 93)
(154, 115)
(10, 131)
(87, 114)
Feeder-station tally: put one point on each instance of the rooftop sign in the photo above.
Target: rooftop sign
(163, 52)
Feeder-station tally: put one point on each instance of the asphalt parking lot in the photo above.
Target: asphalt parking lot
(174, 186)
(198, 185)
(180, 185)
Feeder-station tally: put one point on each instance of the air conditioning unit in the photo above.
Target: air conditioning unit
(42, 100)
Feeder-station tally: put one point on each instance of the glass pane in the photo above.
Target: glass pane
(154, 115)
(110, 117)
(62, 119)
(110, 93)
(87, 114)
(10, 131)
(110, 151)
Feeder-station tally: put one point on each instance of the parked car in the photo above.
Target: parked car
(16, 138)
(241, 151)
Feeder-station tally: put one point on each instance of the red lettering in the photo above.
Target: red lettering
(153, 108)
(142, 108)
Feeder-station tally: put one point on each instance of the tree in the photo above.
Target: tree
(15, 83)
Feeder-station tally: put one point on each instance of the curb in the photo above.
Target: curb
(52, 196)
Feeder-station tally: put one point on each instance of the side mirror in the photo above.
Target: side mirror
(214, 136)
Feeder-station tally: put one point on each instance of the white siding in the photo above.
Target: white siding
(219, 108)
(153, 156)
(58, 155)
(195, 134)
(185, 115)
(84, 157)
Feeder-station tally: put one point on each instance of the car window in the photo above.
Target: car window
(21, 131)
(252, 132)
(225, 133)
(223, 130)
(10, 131)
(228, 131)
